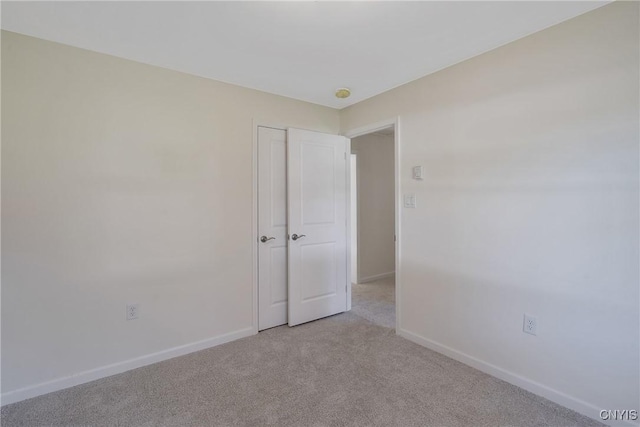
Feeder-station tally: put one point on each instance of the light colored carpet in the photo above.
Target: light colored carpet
(375, 301)
(338, 371)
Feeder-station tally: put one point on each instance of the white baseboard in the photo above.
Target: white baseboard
(580, 406)
(117, 368)
(376, 277)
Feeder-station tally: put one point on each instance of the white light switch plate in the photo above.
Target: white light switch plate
(409, 200)
(418, 172)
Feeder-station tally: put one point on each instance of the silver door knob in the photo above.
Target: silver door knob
(263, 239)
(295, 237)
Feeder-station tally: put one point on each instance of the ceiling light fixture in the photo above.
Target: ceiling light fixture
(343, 92)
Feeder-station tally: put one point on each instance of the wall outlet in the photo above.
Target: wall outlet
(133, 311)
(530, 325)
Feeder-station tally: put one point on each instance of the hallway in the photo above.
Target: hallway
(375, 301)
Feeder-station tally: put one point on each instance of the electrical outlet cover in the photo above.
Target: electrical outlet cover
(530, 325)
(133, 311)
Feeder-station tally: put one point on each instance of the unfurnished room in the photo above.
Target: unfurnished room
(320, 213)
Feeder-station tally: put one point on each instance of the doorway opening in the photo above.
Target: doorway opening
(373, 225)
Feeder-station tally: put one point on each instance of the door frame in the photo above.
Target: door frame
(353, 174)
(364, 130)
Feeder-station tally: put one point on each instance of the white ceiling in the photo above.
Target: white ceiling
(302, 50)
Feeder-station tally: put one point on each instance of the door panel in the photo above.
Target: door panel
(272, 222)
(318, 184)
(317, 191)
(278, 278)
(318, 270)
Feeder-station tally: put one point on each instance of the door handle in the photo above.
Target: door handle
(264, 239)
(295, 237)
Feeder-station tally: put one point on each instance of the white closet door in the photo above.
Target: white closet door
(272, 228)
(317, 202)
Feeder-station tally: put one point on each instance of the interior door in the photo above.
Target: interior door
(272, 228)
(317, 204)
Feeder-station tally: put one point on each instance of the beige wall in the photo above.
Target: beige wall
(376, 210)
(122, 183)
(529, 205)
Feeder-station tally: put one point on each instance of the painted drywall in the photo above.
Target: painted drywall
(376, 213)
(123, 183)
(529, 205)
